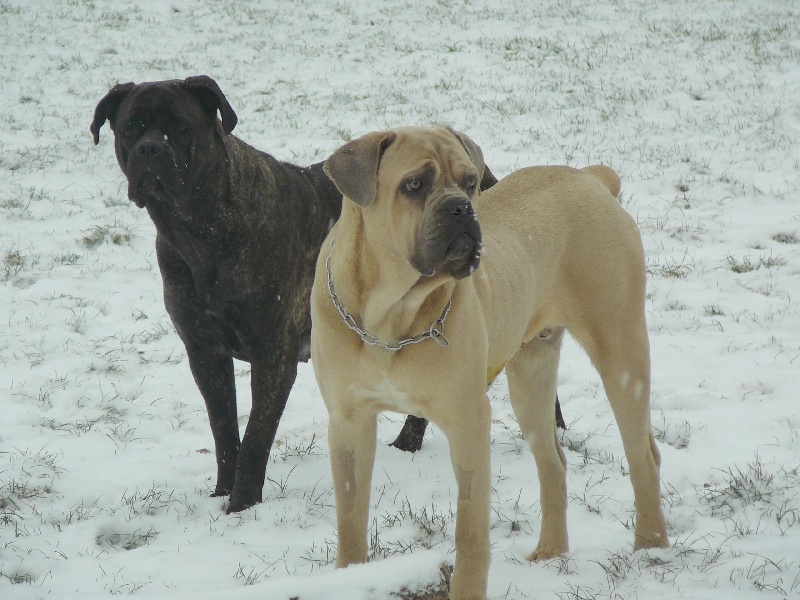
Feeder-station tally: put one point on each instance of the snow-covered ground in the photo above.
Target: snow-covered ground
(106, 456)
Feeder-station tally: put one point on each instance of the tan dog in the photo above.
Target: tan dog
(399, 324)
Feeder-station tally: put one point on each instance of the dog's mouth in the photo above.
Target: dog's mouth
(148, 187)
(463, 256)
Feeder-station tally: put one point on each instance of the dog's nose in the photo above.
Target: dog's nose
(459, 206)
(149, 148)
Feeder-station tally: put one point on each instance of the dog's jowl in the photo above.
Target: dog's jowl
(238, 233)
(426, 288)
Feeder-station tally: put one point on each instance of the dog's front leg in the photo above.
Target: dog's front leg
(469, 441)
(213, 374)
(272, 376)
(352, 440)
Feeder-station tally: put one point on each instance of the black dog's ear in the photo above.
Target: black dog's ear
(488, 179)
(476, 156)
(211, 97)
(354, 166)
(107, 107)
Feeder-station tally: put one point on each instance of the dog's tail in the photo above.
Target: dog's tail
(607, 175)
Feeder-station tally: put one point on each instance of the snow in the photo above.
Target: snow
(106, 456)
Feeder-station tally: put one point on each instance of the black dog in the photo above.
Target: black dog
(238, 233)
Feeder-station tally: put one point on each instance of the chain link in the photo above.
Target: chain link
(434, 332)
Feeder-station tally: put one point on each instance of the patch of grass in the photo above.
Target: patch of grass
(676, 435)
(746, 264)
(15, 261)
(432, 526)
(775, 494)
(344, 134)
(78, 427)
(786, 238)
(115, 201)
(154, 501)
(126, 541)
(76, 514)
(154, 333)
(576, 441)
(591, 500)
(321, 555)
(769, 262)
(115, 233)
(66, 258)
(577, 592)
(18, 577)
(119, 588)
(741, 266)
(249, 575)
(671, 268)
(285, 450)
(8, 9)
(75, 321)
(29, 476)
(111, 353)
(9, 512)
(18, 207)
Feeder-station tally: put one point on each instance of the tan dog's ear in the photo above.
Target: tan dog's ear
(354, 166)
(475, 154)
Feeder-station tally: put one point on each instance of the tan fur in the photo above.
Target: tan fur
(559, 253)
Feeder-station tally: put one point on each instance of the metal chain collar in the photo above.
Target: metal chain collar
(434, 332)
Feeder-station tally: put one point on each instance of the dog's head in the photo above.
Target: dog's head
(164, 132)
(415, 187)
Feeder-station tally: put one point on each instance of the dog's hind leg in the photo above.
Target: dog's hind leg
(352, 439)
(620, 351)
(410, 437)
(413, 432)
(213, 374)
(532, 375)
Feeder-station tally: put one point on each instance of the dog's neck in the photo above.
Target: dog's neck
(382, 291)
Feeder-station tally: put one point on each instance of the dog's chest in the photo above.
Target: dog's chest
(214, 309)
(383, 393)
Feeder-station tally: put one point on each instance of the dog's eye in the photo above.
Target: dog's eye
(132, 128)
(471, 183)
(179, 128)
(414, 185)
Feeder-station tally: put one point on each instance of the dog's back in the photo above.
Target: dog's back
(576, 239)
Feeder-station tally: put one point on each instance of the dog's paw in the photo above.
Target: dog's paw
(407, 444)
(544, 554)
(651, 540)
(239, 503)
(217, 493)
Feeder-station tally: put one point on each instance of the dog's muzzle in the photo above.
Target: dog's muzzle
(149, 160)
(450, 239)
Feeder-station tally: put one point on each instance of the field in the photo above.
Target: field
(106, 456)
